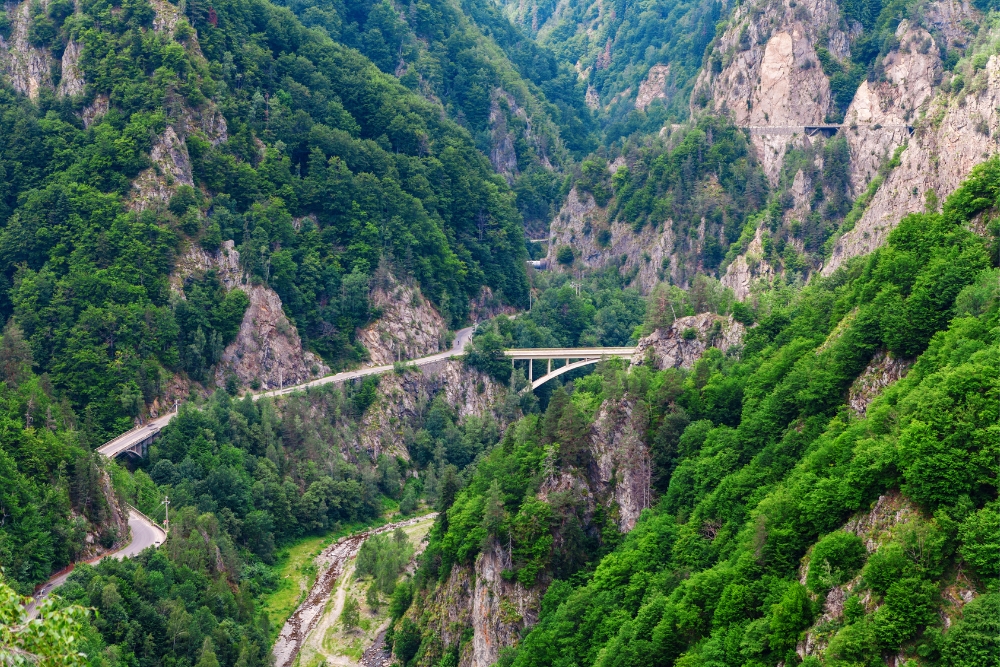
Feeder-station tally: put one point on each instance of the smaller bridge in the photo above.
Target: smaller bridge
(583, 356)
(136, 442)
(824, 129)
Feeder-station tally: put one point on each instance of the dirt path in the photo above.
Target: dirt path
(331, 562)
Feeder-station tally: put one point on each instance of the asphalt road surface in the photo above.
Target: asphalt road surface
(144, 534)
(462, 338)
(125, 440)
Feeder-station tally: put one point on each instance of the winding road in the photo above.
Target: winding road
(144, 532)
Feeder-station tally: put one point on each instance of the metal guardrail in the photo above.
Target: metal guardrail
(146, 517)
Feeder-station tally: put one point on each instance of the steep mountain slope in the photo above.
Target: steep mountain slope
(784, 527)
(189, 132)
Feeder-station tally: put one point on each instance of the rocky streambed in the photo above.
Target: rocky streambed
(331, 563)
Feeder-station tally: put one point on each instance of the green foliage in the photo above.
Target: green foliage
(565, 255)
(485, 354)
(54, 639)
(406, 641)
(382, 557)
(767, 466)
(350, 615)
(705, 174)
(835, 560)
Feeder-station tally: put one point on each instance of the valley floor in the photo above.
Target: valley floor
(312, 635)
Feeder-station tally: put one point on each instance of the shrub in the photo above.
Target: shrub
(351, 615)
(835, 559)
(565, 255)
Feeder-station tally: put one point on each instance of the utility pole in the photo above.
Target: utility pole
(166, 509)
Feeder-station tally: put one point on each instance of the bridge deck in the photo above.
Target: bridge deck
(816, 128)
(569, 352)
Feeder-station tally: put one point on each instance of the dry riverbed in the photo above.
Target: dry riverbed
(314, 628)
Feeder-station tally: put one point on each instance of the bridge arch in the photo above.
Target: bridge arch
(535, 384)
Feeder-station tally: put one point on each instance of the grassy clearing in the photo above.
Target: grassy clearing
(296, 573)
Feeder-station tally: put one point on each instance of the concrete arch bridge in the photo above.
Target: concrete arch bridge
(583, 356)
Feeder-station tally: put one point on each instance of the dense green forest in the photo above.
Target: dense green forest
(758, 464)
(329, 165)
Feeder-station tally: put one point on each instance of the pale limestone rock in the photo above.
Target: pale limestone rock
(27, 66)
(72, 82)
(653, 87)
(267, 347)
(750, 267)
(773, 77)
(171, 168)
(502, 155)
(958, 132)
(409, 326)
(404, 398)
(570, 228)
(624, 468)
(166, 17)
(908, 86)
(501, 609)
(669, 349)
(882, 371)
(95, 110)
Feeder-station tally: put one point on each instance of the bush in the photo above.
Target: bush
(835, 560)
(565, 255)
(406, 641)
(486, 354)
(351, 615)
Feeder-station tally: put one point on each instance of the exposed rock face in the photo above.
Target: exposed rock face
(880, 373)
(773, 77)
(910, 74)
(503, 157)
(579, 223)
(622, 459)
(501, 609)
(72, 82)
(28, 67)
(653, 87)
(670, 348)
(958, 132)
(487, 305)
(166, 17)
(267, 347)
(171, 168)
(93, 111)
(409, 326)
(875, 528)
(750, 267)
(403, 399)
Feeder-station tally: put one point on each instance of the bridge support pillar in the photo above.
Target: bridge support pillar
(550, 366)
(530, 369)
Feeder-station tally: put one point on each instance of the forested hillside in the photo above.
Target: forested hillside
(788, 526)
(317, 165)
(789, 208)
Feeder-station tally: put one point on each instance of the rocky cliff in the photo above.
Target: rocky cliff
(958, 130)
(29, 68)
(770, 80)
(267, 349)
(408, 326)
(579, 224)
(403, 400)
(683, 343)
(770, 75)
